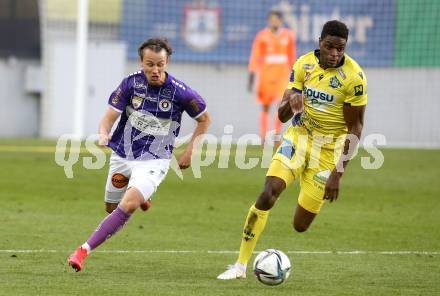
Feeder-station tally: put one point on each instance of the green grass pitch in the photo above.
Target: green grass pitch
(393, 209)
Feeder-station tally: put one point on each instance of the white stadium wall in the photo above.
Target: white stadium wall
(404, 106)
(58, 101)
(19, 101)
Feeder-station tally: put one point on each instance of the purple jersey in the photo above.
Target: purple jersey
(151, 116)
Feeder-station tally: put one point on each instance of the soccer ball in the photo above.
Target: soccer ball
(272, 267)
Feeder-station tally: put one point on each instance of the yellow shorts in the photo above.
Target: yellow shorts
(300, 156)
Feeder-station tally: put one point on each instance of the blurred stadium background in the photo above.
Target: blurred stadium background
(396, 41)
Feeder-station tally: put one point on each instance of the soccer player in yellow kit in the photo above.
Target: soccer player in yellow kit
(326, 97)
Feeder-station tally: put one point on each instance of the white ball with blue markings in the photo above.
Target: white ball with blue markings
(272, 267)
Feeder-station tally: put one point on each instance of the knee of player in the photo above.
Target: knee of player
(266, 200)
(129, 206)
(272, 191)
(132, 200)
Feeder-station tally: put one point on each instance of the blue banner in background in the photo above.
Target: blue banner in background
(223, 31)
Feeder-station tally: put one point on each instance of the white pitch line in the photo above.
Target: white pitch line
(354, 252)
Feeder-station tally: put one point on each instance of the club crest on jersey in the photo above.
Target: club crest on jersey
(201, 26)
(334, 82)
(165, 105)
(136, 102)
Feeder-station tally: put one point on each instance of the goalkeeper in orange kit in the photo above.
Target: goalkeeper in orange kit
(273, 55)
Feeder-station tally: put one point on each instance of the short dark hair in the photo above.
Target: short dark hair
(277, 13)
(156, 45)
(335, 28)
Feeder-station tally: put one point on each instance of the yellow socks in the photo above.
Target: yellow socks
(253, 227)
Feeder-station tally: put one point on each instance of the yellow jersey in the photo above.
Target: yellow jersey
(326, 91)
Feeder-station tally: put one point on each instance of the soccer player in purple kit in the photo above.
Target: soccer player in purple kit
(150, 104)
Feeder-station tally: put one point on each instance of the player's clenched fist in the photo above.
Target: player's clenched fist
(296, 102)
(103, 140)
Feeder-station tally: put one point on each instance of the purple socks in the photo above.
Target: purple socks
(109, 226)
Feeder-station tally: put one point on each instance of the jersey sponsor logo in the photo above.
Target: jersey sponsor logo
(292, 76)
(201, 27)
(317, 95)
(148, 123)
(334, 82)
(359, 90)
(136, 102)
(165, 105)
(308, 66)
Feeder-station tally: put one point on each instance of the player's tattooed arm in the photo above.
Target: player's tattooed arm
(354, 118)
(106, 124)
(291, 103)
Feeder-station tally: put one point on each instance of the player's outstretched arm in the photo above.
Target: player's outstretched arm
(291, 103)
(106, 124)
(354, 118)
(203, 123)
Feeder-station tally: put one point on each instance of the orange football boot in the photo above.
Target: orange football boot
(76, 259)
